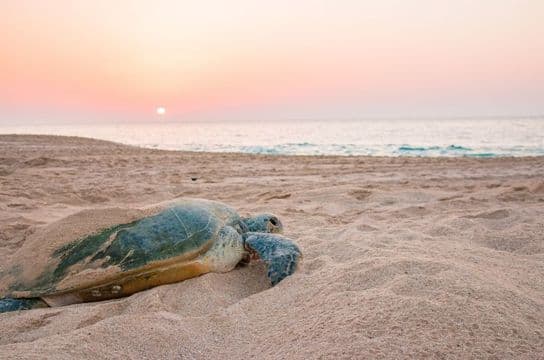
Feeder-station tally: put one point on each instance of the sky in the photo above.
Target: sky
(102, 61)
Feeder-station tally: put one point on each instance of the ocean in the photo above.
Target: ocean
(383, 137)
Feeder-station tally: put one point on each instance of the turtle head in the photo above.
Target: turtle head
(266, 223)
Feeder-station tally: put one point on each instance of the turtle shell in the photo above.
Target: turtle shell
(110, 253)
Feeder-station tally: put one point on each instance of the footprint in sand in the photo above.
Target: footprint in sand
(21, 206)
(518, 193)
(269, 195)
(491, 215)
(39, 161)
(366, 228)
(360, 194)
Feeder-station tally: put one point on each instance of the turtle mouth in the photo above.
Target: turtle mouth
(246, 259)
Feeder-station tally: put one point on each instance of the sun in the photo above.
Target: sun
(161, 110)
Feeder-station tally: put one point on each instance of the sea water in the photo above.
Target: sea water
(378, 137)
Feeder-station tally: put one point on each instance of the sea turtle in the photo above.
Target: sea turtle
(110, 253)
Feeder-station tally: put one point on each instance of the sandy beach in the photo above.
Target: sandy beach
(403, 257)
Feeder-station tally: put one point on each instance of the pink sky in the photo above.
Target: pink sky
(119, 59)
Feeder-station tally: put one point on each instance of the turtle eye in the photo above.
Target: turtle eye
(274, 225)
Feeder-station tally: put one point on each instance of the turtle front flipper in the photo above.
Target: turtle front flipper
(11, 304)
(279, 253)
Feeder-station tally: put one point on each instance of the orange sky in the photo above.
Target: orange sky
(238, 59)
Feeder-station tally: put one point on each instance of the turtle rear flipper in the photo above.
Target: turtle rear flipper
(279, 253)
(11, 304)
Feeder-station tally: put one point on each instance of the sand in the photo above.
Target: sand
(403, 257)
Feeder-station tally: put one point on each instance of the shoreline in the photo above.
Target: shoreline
(404, 156)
